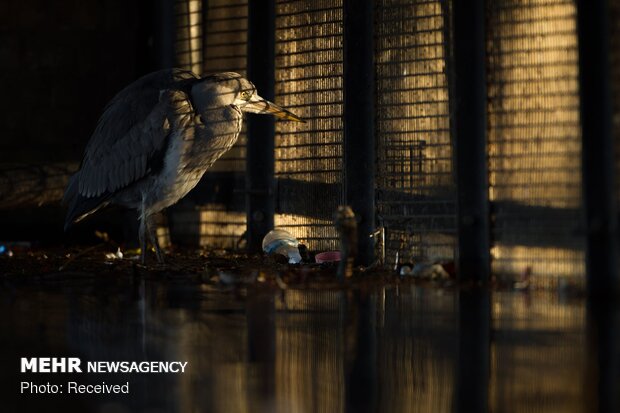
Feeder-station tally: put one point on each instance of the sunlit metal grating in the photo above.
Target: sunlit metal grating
(309, 82)
(415, 189)
(534, 138)
(225, 50)
(188, 41)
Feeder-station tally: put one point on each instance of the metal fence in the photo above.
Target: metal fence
(415, 186)
(309, 81)
(534, 137)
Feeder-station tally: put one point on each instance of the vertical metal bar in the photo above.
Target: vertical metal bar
(469, 129)
(359, 129)
(260, 204)
(362, 378)
(165, 35)
(597, 147)
(261, 319)
(474, 357)
(467, 86)
(602, 357)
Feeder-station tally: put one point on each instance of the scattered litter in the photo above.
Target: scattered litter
(432, 271)
(118, 255)
(279, 241)
(12, 247)
(406, 270)
(524, 281)
(133, 254)
(329, 256)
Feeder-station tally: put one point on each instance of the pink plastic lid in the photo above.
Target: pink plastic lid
(329, 256)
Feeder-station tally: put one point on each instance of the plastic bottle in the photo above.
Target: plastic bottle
(279, 241)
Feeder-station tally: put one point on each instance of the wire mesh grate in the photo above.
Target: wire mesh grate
(225, 50)
(188, 42)
(222, 222)
(309, 81)
(415, 189)
(534, 139)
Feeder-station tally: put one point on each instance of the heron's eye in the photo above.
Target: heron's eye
(245, 95)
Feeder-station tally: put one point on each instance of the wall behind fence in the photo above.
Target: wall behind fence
(534, 147)
(534, 139)
(415, 186)
(309, 82)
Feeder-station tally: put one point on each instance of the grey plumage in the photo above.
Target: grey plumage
(156, 139)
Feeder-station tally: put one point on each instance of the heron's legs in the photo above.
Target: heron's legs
(142, 238)
(142, 233)
(152, 230)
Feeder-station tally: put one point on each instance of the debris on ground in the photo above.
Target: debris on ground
(118, 255)
(282, 242)
(328, 256)
(524, 280)
(424, 270)
(346, 225)
(10, 248)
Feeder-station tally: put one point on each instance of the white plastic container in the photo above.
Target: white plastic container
(279, 241)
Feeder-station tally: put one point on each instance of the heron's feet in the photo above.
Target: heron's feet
(159, 254)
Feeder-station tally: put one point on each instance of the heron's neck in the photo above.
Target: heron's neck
(206, 97)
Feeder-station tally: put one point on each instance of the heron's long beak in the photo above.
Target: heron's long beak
(257, 104)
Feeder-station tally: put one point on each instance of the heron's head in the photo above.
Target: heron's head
(233, 89)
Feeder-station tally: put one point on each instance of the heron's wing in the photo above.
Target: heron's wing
(131, 137)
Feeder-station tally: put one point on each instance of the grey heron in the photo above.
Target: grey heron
(156, 139)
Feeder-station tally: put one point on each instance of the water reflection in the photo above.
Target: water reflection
(396, 349)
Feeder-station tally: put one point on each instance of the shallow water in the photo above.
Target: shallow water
(390, 349)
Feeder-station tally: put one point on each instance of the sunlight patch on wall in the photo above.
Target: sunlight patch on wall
(534, 137)
(224, 50)
(309, 82)
(188, 42)
(415, 189)
(547, 264)
(221, 228)
(208, 226)
(318, 234)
